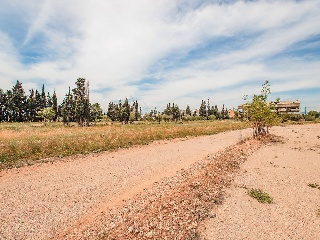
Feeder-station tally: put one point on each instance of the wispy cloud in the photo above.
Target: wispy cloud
(160, 51)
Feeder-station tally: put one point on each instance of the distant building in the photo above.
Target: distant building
(231, 113)
(290, 107)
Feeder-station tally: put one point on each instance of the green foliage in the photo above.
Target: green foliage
(67, 110)
(212, 117)
(311, 116)
(261, 113)
(188, 110)
(261, 196)
(203, 110)
(313, 113)
(125, 112)
(291, 117)
(46, 114)
(95, 112)
(18, 102)
(81, 102)
(171, 112)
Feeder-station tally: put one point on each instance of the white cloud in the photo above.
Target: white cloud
(116, 44)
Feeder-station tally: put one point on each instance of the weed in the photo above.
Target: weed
(314, 185)
(261, 196)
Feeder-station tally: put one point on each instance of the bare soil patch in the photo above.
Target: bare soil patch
(40, 201)
(285, 171)
(174, 207)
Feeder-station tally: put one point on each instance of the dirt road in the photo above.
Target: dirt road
(40, 201)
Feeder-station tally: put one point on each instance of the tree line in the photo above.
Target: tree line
(17, 106)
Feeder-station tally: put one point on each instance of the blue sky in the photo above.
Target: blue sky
(160, 51)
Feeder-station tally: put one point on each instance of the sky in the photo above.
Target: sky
(163, 51)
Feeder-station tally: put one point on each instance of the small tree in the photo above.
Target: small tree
(261, 113)
(203, 110)
(81, 102)
(188, 110)
(46, 114)
(125, 111)
(95, 112)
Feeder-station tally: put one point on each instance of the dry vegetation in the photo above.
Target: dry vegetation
(24, 143)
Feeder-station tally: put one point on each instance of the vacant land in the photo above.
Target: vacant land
(22, 143)
(168, 188)
(39, 201)
(290, 174)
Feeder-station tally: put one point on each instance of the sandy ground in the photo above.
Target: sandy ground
(44, 200)
(284, 172)
(40, 201)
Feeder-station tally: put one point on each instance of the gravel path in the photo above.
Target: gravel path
(284, 171)
(40, 201)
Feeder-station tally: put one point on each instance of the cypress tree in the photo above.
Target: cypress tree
(31, 102)
(43, 98)
(55, 105)
(81, 102)
(19, 103)
(125, 111)
(188, 110)
(2, 105)
(203, 109)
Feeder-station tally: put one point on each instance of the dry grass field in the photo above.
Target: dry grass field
(23, 143)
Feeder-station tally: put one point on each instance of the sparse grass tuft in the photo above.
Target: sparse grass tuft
(261, 196)
(314, 185)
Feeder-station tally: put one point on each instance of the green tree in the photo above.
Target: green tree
(19, 103)
(203, 110)
(67, 108)
(8, 106)
(39, 102)
(175, 112)
(46, 114)
(135, 109)
(314, 114)
(31, 106)
(81, 102)
(55, 105)
(125, 111)
(2, 105)
(188, 110)
(111, 112)
(224, 113)
(43, 103)
(261, 113)
(95, 112)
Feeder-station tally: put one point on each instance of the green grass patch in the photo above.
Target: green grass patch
(24, 143)
(261, 196)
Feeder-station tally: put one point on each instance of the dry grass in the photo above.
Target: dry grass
(23, 143)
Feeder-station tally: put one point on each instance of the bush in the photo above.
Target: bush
(291, 117)
(212, 117)
(309, 118)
